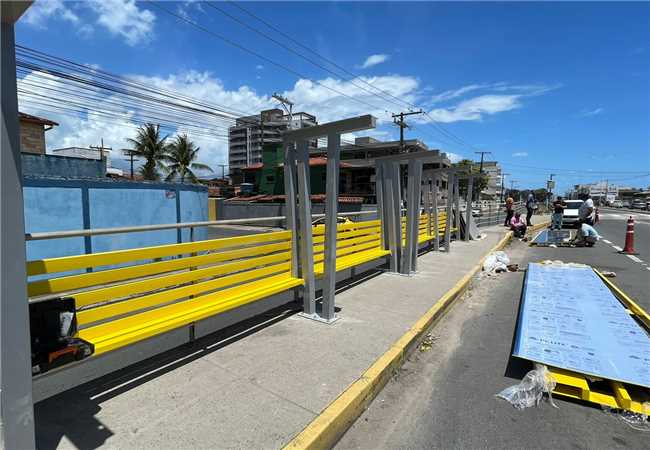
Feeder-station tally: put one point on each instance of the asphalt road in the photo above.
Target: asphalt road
(445, 397)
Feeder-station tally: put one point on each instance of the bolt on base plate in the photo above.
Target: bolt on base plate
(319, 318)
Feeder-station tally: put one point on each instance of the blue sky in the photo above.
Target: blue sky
(546, 87)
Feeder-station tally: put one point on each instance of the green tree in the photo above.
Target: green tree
(480, 183)
(148, 144)
(181, 159)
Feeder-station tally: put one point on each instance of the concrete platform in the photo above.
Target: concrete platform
(260, 382)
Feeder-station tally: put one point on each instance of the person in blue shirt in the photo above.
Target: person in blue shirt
(586, 236)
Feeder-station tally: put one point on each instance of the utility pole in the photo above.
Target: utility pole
(100, 148)
(401, 124)
(482, 155)
(287, 105)
(503, 179)
(131, 154)
(223, 170)
(550, 189)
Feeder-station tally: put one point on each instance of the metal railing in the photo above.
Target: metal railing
(171, 226)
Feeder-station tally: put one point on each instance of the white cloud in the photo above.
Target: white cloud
(43, 10)
(125, 19)
(520, 154)
(454, 157)
(475, 108)
(591, 112)
(373, 60)
(259, 67)
(454, 93)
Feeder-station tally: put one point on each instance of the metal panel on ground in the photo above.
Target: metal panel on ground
(570, 319)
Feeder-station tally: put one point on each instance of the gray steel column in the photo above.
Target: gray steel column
(450, 214)
(434, 201)
(396, 212)
(16, 408)
(305, 240)
(427, 206)
(381, 209)
(389, 216)
(416, 192)
(468, 209)
(331, 212)
(290, 204)
(457, 206)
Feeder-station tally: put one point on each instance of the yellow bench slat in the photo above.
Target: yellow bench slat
(76, 262)
(349, 242)
(122, 332)
(354, 259)
(93, 296)
(151, 300)
(71, 282)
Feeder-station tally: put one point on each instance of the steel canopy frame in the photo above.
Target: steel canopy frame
(16, 405)
(296, 173)
(404, 258)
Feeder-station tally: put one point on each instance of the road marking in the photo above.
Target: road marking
(607, 242)
(617, 248)
(634, 258)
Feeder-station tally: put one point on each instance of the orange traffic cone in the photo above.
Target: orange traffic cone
(629, 238)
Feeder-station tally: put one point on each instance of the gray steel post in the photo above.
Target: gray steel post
(416, 192)
(290, 204)
(457, 206)
(305, 239)
(449, 219)
(396, 175)
(434, 200)
(468, 209)
(16, 408)
(381, 209)
(390, 216)
(331, 211)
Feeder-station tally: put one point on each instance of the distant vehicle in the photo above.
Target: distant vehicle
(626, 204)
(617, 204)
(570, 217)
(639, 204)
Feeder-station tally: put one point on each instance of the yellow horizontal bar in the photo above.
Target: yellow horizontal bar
(71, 282)
(347, 234)
(66, 263)
(349, 242)
(350, 250)
(320, 229)
(128, 330)
(151, 284)
(159, 298)
(352, 260)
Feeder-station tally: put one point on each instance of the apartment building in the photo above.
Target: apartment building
(249, 133)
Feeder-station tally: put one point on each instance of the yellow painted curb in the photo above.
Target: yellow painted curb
(326, 429)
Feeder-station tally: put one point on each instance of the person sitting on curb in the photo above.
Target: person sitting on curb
(586, 236)
(518, 226)
(558, 213)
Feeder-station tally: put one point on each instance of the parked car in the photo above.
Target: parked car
(639, 204)
(617, 204)
(570, 217)
(626, 204)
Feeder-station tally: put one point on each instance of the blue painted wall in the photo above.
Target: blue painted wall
(58, 205)
(61, 166)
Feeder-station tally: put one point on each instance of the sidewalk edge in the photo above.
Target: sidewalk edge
(328, 427)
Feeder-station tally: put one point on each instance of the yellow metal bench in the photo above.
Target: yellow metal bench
(356, 244)
(423, 228)
(156, 289)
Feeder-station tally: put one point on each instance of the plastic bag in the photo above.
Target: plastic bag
(530, 391)
(496, 262)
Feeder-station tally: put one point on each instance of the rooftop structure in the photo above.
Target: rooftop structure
(251, 132)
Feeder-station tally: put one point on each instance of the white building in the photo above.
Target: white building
(89, 153)
(494, 173)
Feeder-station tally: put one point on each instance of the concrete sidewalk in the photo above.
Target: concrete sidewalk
(257, 384)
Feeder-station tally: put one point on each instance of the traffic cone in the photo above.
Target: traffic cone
(629, 238)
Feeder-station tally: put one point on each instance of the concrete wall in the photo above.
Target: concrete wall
(59, 205)
(242, 210)
(35, 165)
(32, 137)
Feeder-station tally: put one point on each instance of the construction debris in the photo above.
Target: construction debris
(608, 274)
(496, 262)
(428, 342)
(530, 391)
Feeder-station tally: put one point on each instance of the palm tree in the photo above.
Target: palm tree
(181, 154)
(149, 145)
